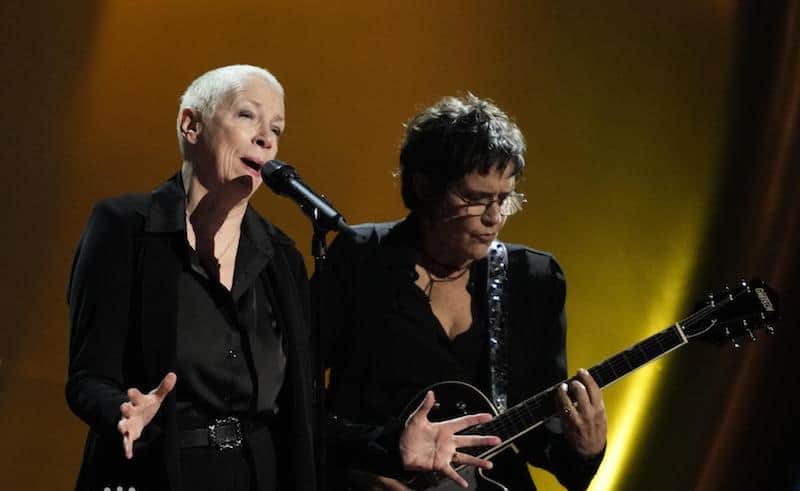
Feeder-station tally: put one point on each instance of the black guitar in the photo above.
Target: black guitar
(719, 319)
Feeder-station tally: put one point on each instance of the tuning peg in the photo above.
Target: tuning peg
(744, 284)
(748, 330)
(770, 330)
(727, 333)
(727, 291)
(710, 297)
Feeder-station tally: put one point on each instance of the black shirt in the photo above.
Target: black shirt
(406, 348)
(383, 344)
(415, 352)
(230, 354)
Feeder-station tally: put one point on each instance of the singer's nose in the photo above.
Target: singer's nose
(263, 139)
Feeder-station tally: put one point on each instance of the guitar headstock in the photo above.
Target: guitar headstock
(734, 313)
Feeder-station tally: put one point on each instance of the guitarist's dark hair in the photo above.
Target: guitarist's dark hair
(453, 138)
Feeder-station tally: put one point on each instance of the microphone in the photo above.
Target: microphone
(283, 180)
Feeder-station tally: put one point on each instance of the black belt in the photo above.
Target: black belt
(224, 433)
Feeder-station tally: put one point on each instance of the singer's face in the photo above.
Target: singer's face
(241, 136)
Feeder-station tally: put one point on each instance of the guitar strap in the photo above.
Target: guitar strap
(496, 291)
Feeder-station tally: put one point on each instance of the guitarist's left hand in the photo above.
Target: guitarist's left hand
(583, 414)
(429, 446)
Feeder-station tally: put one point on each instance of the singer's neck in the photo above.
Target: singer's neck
(222, 214)
(196, 192)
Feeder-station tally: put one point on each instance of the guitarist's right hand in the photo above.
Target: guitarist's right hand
(433, 447)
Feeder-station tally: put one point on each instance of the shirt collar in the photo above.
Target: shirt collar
(401, 240)
(167, 213)
(401, 246)
(259, 232)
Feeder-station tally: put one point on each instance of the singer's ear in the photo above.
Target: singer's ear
(191, 125)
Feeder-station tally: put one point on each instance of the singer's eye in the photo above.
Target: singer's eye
(246, 114)
(277, 131)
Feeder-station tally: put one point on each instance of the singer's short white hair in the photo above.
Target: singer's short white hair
(206, 92)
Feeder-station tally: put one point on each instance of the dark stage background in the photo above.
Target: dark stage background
(663, 162)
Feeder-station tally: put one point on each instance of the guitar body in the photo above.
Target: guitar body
(455, 399)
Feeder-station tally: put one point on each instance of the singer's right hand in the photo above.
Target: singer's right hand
(140, 410)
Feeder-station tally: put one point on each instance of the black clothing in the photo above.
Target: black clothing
(124, 298)
(221, 333)
(251, 467)
(208, 468)
(414, 352)
(384, 345)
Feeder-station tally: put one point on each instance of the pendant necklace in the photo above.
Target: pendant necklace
(446, 279)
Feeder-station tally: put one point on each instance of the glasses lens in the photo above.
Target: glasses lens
(512, 204)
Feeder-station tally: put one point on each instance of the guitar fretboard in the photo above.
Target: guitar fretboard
(532, 412)
(636, 356)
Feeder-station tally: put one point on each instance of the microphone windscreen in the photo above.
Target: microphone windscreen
(270, 167)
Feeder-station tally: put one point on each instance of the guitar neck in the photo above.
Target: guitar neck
(637, 356)
(532, 412)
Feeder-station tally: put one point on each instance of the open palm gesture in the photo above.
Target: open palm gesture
(140, 410)
(428, 446)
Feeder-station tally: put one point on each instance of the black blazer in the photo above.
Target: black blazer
(364, 278)
(123, 308)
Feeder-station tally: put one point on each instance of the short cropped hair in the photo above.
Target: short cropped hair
(453, 138)
(206, 92)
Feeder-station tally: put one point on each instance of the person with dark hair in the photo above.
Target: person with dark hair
(436, 297)
(190, 352)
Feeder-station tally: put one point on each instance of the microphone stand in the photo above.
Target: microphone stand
(319, 251)
(283, 179)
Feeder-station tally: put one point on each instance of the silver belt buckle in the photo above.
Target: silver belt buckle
(225, 433)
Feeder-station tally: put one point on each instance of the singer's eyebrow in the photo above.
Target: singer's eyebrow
(275, 119)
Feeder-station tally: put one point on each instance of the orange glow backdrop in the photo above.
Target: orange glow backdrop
(626, 107)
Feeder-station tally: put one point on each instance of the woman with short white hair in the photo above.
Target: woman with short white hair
(187, 289)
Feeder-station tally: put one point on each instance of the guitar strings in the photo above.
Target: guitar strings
(525, 414)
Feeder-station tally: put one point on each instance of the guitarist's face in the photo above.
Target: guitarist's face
(472, 213)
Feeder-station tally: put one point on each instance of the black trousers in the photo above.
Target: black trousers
(248, 468)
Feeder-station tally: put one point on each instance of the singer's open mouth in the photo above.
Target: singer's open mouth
(252, 164)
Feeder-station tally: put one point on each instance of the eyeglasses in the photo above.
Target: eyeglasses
(508, 204)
